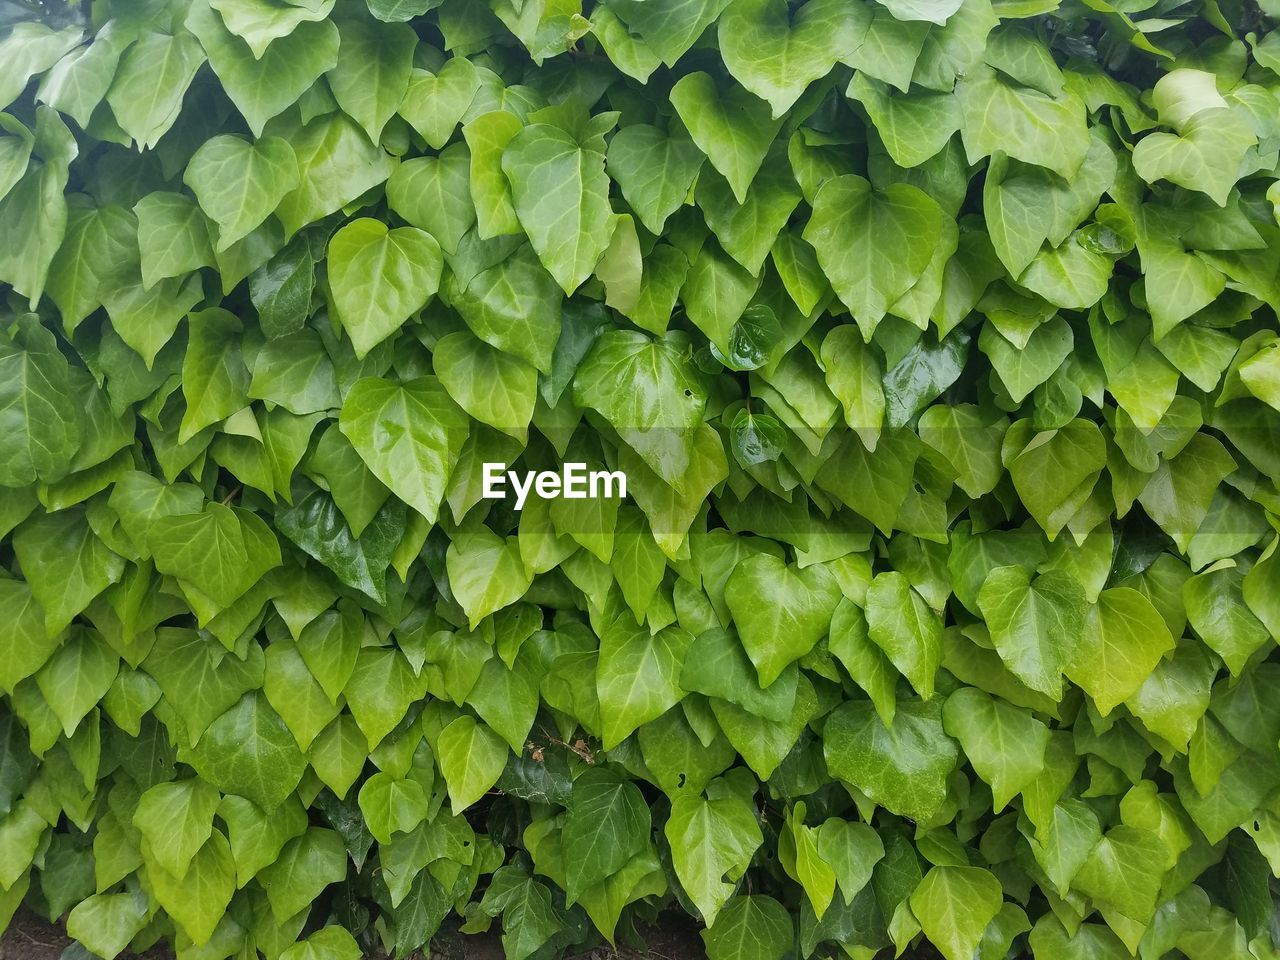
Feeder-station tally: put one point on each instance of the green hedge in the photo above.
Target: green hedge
(936, 342)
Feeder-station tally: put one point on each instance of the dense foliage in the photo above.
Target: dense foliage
(936, 339)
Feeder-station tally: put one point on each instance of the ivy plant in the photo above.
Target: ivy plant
(936, 342)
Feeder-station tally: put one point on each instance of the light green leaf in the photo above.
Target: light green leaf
(711, 838)
(1124, 638)
(954, 906)
(872, 245)
(380, 278)
(410, 435)
(150, 84)
(371, 76)
(655, 171)
(472, 757)
(638, 675)
(1036, 623)
(1005, 744)
(239, 183)
(906, 629)
(776, 55)
(732, 127)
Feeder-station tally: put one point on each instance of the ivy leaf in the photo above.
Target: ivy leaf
(176, 819)
(40, 416)
(493, 387)
(198, 899)
(647, 390)
(733, 128)
(150, 84)
(780, 611)
(764, 48)
(1035, 623)
(65, 563)
(561, 195)
(670, 29)
(263, 83)
(239, 183)
(390, 805)
(472, 757)
(902, 625)
(607, 825)
(654, 170)
(711, 837)
(1124, 638)
(249, 751)
(954, 904)
(371, 75)
(754, 927)
(410, 435)
(902, 767)
(380, 278)
(873, 246)
(638, 676)
(1005, 744)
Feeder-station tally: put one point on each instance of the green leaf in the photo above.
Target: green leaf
(249, 751)
(336, 164)
(733, 128)
(1036, 623)
(1124, 872)
(561, 195)
(198, 899)
(107, 922)
(390, 805)
(432, 194)
(176, 820)
(172, 237)
(307, 864)
(410, 435)
(711, 838)
(38, 410)
(380, 278)
(492, 386)
(434, 103)
(638, 676)
(669, 27)
(903, 767)
(76, 677)
(776, 56)
(1124, 638)
(472, 757)
(150, 84)
(239, 183)
(872, 245)
(371, 76)
(514, 306)
(754, 927)
(261, 24)
(654, 171)
(486, 573)
(902, 625)
(1004, 743)
(65, 563)
(954, 904)
(330, 943)
(221, 551)
(648, 391)
(607, 825)
(1025, 124)
(780, 611)
(1205, 154)
(263, 84)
